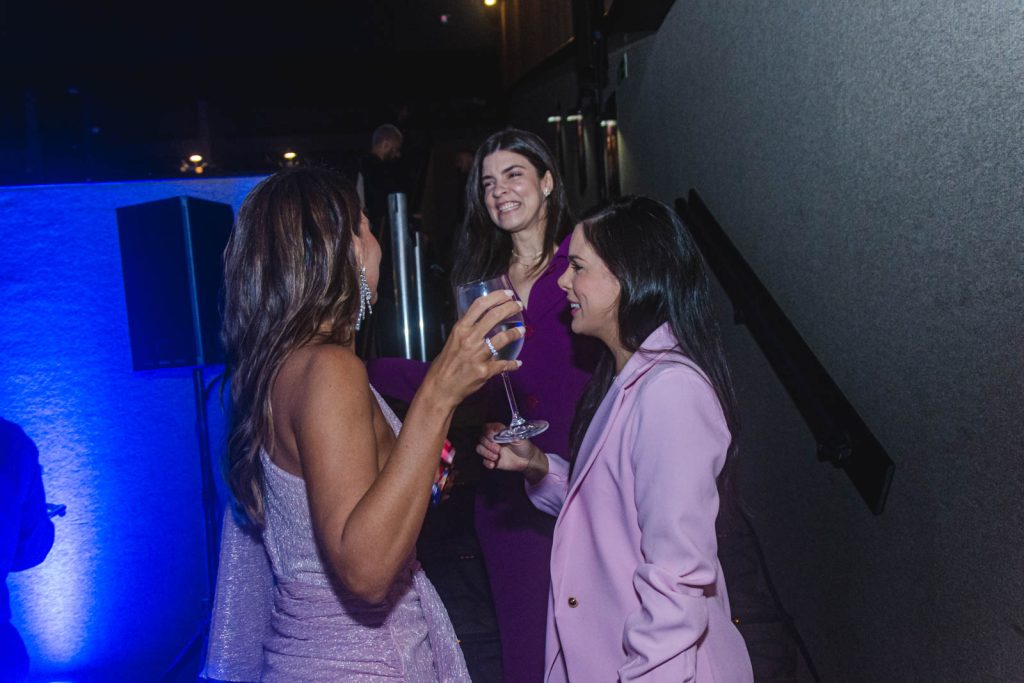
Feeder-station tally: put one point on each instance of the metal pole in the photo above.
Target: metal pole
(400, 260)
(209, 489)
(421, 317)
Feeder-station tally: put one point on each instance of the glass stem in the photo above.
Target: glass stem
(516, 419)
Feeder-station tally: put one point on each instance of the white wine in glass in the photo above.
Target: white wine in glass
(518, 428)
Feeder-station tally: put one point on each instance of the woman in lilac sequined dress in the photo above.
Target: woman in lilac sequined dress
(517, 222)
(322, 583)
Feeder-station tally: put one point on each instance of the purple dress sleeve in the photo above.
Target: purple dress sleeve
(397, 378)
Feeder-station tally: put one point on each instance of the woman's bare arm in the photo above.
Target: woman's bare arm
(366, 518)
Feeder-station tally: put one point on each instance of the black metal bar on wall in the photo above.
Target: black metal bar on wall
(843, 437)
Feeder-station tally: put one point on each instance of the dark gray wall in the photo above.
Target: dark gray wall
(554, 93)
(868, 160)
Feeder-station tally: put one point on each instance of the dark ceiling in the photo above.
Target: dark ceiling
(98, 91)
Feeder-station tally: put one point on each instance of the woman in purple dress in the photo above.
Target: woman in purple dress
(517, 222)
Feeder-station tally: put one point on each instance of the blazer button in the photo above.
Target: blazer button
(573, 602)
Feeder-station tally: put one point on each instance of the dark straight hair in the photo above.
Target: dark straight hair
(662, 279)
(482, 248)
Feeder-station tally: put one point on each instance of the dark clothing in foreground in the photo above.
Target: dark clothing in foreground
(26, 534)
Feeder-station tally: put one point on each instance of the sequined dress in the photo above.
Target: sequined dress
(277, 615)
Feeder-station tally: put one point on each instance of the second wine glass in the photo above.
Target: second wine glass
(519, 428)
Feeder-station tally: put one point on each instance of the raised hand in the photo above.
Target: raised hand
(466, 361)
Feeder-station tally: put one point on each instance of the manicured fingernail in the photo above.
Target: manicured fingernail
(509, 293)
(519, 363)
(522, 330)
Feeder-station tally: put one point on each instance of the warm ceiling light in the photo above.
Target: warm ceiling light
(290, 155)
(194, 164)
(490, 3)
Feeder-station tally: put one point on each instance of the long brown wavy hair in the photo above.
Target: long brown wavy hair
(290, 277)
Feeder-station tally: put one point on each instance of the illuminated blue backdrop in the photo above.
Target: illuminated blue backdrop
(124, 588)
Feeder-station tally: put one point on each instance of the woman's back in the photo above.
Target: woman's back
(319, 628)
(288, 530)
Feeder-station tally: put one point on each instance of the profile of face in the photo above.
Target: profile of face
(593, 292)
(368, 254)
(515, 194)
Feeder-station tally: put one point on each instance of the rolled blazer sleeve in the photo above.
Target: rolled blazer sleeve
(548, 494)
(680, 447)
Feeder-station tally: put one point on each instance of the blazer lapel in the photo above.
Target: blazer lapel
(658, 344)
(596, 435)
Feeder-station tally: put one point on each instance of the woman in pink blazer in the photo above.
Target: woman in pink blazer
(637, 592)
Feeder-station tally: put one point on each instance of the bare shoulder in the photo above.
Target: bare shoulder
(329, 359)
(321, 371)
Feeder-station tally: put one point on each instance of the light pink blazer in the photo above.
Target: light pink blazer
(637, 592)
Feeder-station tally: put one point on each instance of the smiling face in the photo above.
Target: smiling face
(593, 293)
(514, 193)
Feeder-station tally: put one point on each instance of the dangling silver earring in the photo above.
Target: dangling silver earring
(365, 307)
(546, 193)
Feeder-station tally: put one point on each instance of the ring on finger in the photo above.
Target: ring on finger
(490, 347)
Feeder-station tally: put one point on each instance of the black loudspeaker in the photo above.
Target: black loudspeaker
(172, 263)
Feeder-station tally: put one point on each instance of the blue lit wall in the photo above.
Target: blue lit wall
(124, 588)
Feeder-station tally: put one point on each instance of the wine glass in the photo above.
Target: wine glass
(518, 428)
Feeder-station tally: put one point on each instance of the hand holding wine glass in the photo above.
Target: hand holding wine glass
(466, 294)
(511, 457)
(517, 456)
(466, 362)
